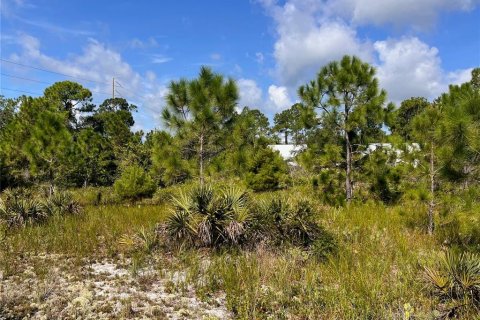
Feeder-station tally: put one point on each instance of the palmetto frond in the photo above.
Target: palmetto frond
(179, 225)
(208, 217)
(456, 278)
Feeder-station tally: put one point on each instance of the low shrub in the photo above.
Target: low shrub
(460, 229)
(144, 240)
(282, 220)
(95, 196)
(20, 207)
(20, 212)
(267, 171)
(134, 183)
(455, 282)
(213, 217)
(62, 203)
(208, 217)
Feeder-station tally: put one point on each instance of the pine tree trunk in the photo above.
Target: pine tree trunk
(348, 178)
(201, 159)
(286, 137)
(51, 178)
(431, 204)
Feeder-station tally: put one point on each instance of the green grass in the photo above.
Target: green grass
(376, 274)
(94, 233)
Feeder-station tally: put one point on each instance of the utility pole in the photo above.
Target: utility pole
(113, 88)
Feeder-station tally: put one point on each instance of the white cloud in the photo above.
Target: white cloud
(250, 93)
(459, 76)
(306, 40)
(56, 29)
(419, 14)
(311, 33)
(99, 63)
(160, 58)
(278, 97)
(409, 67)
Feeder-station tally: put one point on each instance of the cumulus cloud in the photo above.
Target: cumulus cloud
(279, 98)
(409, 67)
(250, 93)
(307, 40)
(419, 14)
(311, 33)
(99, 63)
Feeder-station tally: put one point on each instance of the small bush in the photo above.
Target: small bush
(267, 171)
(134, 183)
(207, 217)
(95, 196)
(329, 188)
(455, 281)
(20, 212)
(281, 220)
(62, 203)
(460, 229)
(145, 240)
(18, 209)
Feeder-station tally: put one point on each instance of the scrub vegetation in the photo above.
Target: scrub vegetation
(376, 217)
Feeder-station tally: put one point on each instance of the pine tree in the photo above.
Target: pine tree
(347, 92)
(201, 111)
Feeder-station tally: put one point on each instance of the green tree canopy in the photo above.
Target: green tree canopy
(348, 92)
(201, 111)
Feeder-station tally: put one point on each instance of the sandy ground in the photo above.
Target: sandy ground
(56, 287)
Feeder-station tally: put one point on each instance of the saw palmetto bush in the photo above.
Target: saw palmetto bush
(62, 202)
(206, 216)
(455, 281)
(283, 220)
(20, 207)
(16, 211)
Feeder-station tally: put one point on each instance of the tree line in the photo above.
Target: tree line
(426, 147)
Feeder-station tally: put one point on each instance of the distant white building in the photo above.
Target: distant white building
(389, 149)
(288, 151)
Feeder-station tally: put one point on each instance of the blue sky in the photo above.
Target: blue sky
(270, 47)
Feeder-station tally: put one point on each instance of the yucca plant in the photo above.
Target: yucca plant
(19, 212)
(456, 281)
(206, 217)
(62, 202)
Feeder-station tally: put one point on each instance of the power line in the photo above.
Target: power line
(50, 71)
(44, 82)
(133, 93)
(23, 91)
(22, 78)
(120, 85)
(144, 106)
(114, 89)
